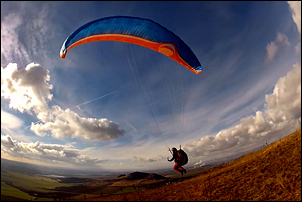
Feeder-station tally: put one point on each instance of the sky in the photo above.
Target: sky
(118, 106)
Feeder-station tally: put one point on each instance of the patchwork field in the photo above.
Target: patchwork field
(28, 187)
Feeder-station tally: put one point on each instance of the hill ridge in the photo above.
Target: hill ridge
(141, 175)
(270, 173)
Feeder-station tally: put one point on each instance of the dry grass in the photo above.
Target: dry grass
(269, 174)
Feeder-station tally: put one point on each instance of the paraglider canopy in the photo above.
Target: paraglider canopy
(143, 32)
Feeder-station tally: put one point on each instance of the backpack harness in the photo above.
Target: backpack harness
(183, 157)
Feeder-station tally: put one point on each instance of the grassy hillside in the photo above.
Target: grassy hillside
(18, 186)
(272, 173)
(8, 191)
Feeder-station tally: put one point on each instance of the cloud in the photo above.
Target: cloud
(295, 8)
(199, 164)
(283, 109)
(285, 102)
(46, 153)
(68, 124)
(18, 46)
(9, 121)
(148, 160)
(28, 89)
(275, 46)
(11, 47)
(40, 26)
(298, 48)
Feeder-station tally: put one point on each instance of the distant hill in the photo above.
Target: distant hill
(20, 167)
(32, 169)
(141, 175)
(272, 173)
(138, 179)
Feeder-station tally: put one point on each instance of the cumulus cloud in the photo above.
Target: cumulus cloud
(148, 160)
(275, 46)
(199, 164)
(46, 153)
(285, 102)
(68, 124)
(9, 121)
(28, 90)
(295, 7)
(283, 109)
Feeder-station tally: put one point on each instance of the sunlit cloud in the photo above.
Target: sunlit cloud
(275, 46)
(285, 102)
(67, 124)
(10, 122)
(148, 160)
(199, 164)
(295, 7)
(283, 109)
(28, 90)
(46, 153)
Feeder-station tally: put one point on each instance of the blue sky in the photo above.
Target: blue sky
(113, 105)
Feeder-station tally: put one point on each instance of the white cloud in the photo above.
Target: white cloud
(11, 47)
(285, 102)
(28, 89)
(18, 46)
(295, 7)
(199, 164)
(148, 160)
(46, 153)
(9, 121)
(68, 124)
(275, 46)
(283, 111)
